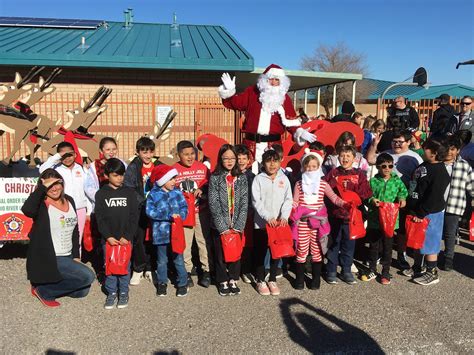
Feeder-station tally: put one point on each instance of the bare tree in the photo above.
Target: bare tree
(338, 58)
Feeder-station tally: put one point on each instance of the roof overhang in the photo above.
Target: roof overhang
(300, 79)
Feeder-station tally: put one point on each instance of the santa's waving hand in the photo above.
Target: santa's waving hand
(268, 110)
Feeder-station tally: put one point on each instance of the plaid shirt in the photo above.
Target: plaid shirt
(461, 183)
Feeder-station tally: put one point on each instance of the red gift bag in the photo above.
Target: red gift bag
(231, 246)
(280, 241)
(471, 228)
(178, 241)
(190, 220)
(356, 224)
(416, 232)
(117, 258)
(87, 240)
(388, 214)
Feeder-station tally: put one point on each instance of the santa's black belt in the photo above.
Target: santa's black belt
(259, 138)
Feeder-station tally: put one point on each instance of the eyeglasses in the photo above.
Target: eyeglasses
(386, 166)
(395, 141)
(229, 159)
(466, 103)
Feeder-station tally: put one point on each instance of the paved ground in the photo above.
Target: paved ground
(366, 317)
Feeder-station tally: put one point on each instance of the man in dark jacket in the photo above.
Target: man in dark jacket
(347, 110)
(444, 121)
(408, 116)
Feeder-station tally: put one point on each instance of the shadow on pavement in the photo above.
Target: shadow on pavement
(13, 250)
(319, 332)
(464, 264)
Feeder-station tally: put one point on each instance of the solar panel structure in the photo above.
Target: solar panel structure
(50, 23)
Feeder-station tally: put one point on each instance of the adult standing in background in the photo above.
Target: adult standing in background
(465, 118)
(407, 115)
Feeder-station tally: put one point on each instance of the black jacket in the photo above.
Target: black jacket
(444, 122)
(116, 212)
(133, 177)
(408, 118)
(41, 265)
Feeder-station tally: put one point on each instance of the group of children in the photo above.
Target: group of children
(232, 202)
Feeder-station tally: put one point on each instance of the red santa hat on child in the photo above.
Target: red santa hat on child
(274, 71)
(315, 153)
(162, 173)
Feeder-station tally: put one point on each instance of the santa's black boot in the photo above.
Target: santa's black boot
(299, 282)
(316, 271)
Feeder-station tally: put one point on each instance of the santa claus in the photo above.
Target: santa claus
(268, 110)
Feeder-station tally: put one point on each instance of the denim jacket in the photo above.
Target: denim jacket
(160, 207)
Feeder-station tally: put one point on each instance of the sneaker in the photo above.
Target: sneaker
(408, 272)
(123, 301)
(224, 289)
(234, 289)
(402, 261)
(190, 280)
(182, 291)
(331, 278)
(47, 303)
(148, 276)
(368, 276)
(384, 280)
(262, 289)
(161, 290)
(274, 289)
(110, 301)
(428, 278)
(205, 280)
(279, 273)
(448, 265)
(348, 278)
(247, 278)
(136, 277)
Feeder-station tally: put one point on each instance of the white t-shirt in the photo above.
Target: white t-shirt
(405, 164)
(62, 225)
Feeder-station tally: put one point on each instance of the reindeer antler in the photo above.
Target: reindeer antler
(28, 77)
(94, 98)
(104, 96)
(50, 79)
(171, 116)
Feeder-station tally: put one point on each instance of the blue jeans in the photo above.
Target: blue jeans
(162, 265)
(342, 248)
(268, 258)
(76, 282)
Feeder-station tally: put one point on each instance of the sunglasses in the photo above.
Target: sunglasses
(386, 166)
(466, 103)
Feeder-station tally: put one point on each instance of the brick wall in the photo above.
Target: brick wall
(131, 111)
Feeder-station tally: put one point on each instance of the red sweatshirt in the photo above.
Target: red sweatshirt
(356, 181)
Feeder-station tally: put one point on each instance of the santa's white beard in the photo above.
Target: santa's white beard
(271, 97)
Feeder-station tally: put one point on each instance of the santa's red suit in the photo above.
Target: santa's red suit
(264, 124)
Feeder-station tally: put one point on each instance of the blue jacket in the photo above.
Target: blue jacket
(160, 206)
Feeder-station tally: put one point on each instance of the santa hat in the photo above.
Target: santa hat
(318, 154)
(274, 71)
(162, 173)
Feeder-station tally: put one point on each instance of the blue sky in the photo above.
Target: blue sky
(396, 36)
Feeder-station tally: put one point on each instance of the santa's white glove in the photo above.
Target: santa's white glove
(229, 84)
(227, 89)
(302, 136)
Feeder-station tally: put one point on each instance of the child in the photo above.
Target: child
(116, 212)
(347, 178)
(309, 193)
(193, 177)
(137, 177)
(332, 161)
(386, 187)
(73, 176)
(244, 158)
(228, 201)
(272, 201)
(427, 200)
(460, 186)
(164, 203)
